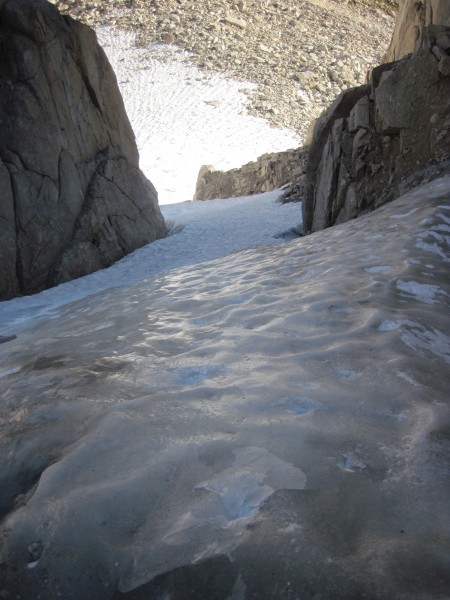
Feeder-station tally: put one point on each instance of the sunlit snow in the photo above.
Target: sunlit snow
(183, 117)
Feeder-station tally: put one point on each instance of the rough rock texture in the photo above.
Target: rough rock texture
(72, 198)
(378, 140)
(300, 54)
(413, 16)
(268, 172)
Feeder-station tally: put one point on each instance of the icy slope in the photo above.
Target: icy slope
(204, 230)
(271, 424)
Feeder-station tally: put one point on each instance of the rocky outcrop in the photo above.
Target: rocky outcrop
(301, 54)
(72, 198)
(412, 18)
(380, 139)
(268, 172)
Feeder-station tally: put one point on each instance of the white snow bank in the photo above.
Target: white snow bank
(183, 117)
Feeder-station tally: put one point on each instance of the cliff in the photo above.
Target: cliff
(72, 197)
(379, 140)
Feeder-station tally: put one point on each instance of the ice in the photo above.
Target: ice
(406, 377)
(378, 269)
(206, 230)
(9, 371)
(197, 374)
(226, 413)
(238, 417)
(238, 592)
(243, 487)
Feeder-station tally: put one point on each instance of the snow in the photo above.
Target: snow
(200, 231)
(227, 410)
(185, 118)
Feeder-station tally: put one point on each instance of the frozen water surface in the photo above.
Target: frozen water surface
(257, 422)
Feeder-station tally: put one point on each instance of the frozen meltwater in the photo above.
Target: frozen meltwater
(267, 423)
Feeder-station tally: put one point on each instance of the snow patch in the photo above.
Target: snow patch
(423, 292)
(184, 118)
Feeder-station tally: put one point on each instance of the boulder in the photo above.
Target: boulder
(72, 197)
(269, 172)
(378, 140)
(413, 17)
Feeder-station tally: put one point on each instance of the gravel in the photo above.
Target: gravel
(300, 53)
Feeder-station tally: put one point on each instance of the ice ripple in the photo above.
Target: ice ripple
(197, 374)
(254, 476)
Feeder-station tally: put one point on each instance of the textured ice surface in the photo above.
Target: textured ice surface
(424, 292)
(204, 230)
(269, 424)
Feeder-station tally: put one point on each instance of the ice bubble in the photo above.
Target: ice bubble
(300, 406)
(346, 373)
(352, 463)
(341, 309)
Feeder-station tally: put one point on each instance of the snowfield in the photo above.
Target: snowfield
(184, 117)
(272, 423)
(233, 412)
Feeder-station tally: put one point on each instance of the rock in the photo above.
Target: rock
(377, 141)
(237, 22)
(413, 18)
(317, 137)
(268, 172)
(277, 40)
(334, 75)
(72, 197)
(359, 115)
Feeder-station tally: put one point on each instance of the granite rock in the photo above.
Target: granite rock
(378, 140)
(73, 199)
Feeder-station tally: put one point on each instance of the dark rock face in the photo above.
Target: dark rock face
(72, 197)
(379, 140)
